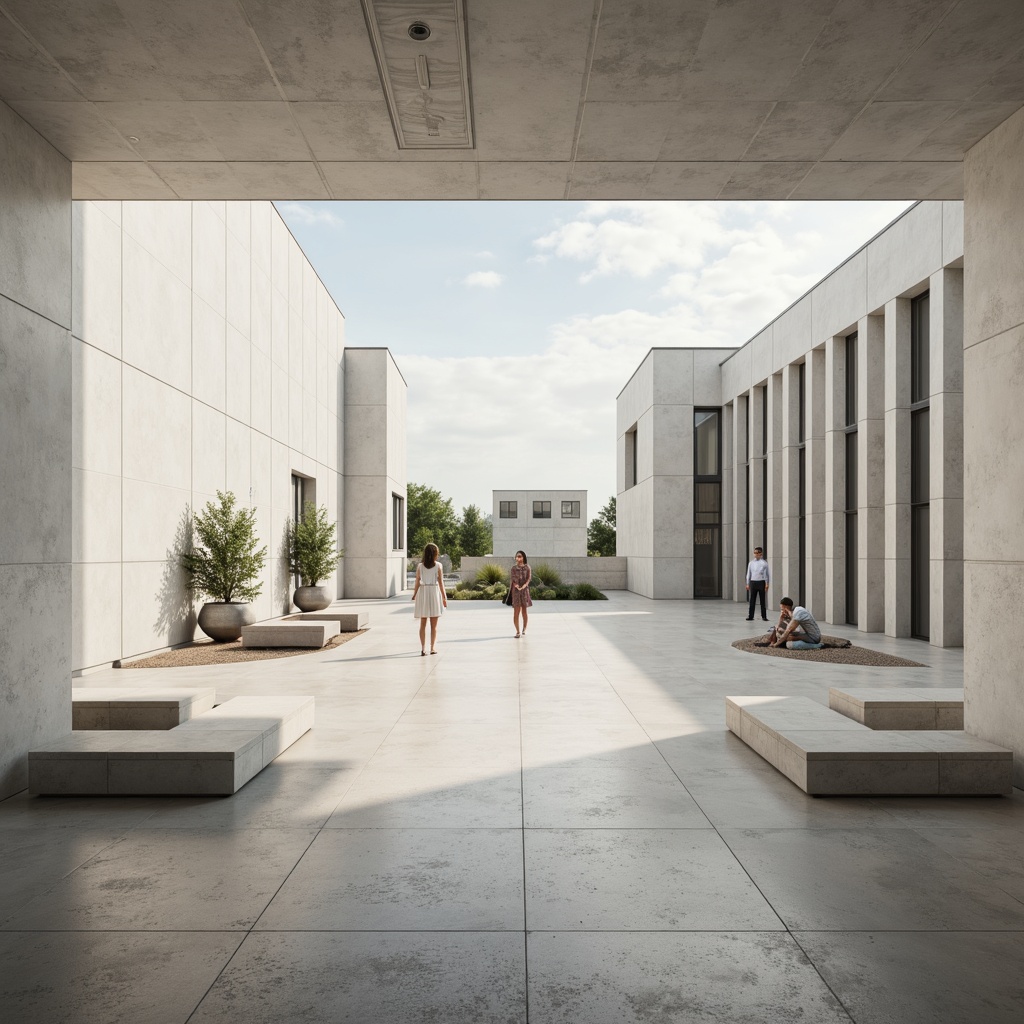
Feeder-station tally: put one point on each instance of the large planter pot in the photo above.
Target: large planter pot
(311, 599)
(223, 620)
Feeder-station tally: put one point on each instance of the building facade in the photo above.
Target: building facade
(208, 356)
(541, 523)
(833, 439)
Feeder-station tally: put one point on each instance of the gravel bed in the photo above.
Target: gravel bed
(207, 652)
(836, 651)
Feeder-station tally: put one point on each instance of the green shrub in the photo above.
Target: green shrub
(547, 576)
(587, 592)
(225, 561)
(463, 585)
(462, 595)
(548, 594)
(566, 592)
(490, 573)
(313, 551)
(496, 591)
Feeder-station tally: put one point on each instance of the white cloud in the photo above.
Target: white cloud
(485, 254)
(483, 279)
(719, 272)
(307, 213)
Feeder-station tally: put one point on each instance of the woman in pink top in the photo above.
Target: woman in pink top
(520, 584)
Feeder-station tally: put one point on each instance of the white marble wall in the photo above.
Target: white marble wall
(554, 537)
(375, 469)
(206, 357)
(35, 446)
(993, 374)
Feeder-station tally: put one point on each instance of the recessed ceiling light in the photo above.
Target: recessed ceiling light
(419, 30)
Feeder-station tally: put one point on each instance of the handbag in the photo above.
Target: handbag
(507, 599)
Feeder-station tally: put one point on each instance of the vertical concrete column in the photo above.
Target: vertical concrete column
(814, 429)
(946, 467)
(738, 494)
(871, 475)
(897, 467)
(994, 437)
(788, 569)
(835, 480)
(758, 467)
(776, 547)
(37, 410)
(728, 475)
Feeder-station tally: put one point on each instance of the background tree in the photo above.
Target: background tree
(431, 518)
(474, 532)
(601, 532)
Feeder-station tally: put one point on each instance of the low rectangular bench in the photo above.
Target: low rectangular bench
(108, 707)
(214, 754)
(348, 622)
(941, 708)
(825, 753)
(289, 634)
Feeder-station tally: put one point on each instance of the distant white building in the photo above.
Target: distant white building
(548, 523)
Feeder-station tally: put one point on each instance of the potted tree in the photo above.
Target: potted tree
(224, 564)
(312, 556)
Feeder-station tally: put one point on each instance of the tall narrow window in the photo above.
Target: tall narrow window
(802, 485)
(631, 457)
(851, 479)
(301, 493)
(764, 470)
(920, 481)
(707, 503)
(397, 522)
(745, 406)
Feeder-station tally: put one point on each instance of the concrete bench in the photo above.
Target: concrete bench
(901, 709)
(348, 622)
(108, 707)
(289, 634)
(214, 754)
(825, 753)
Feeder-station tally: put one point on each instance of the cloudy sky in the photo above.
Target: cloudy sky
(515, 325)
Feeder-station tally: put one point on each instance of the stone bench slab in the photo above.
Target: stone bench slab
(109, 707)
(941, 708)
(214, 754)
(832, 755)
(348, 622)
(289, 634)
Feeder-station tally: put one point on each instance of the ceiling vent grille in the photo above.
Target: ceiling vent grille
(424, 67)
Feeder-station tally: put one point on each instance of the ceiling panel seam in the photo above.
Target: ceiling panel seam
(284, 98)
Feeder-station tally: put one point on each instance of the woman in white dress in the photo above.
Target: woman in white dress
(428, 597)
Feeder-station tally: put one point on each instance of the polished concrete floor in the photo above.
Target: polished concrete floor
(551, 829)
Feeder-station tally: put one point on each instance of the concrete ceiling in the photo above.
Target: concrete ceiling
(578, 99)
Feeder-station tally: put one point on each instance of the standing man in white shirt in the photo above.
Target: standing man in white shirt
(758, 580)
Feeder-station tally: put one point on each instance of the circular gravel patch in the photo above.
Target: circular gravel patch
(836, 651)
(206, 652)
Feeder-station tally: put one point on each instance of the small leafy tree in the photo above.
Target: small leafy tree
(312, 549)
(224, 562)
(474, 532)
(601, 532)
(431, 518)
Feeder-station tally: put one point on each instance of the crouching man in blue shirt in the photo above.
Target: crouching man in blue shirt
(797, 628)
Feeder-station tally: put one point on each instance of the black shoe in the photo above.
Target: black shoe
(750, 618)
(764, 618)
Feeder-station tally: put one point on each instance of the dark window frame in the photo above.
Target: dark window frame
(508, 509)
(920, 467)
(545, 510)
(851, 553)
(574, 510)
(707, 491)
(397, 522)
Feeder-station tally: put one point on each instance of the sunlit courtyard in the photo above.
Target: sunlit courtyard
(555, 828)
